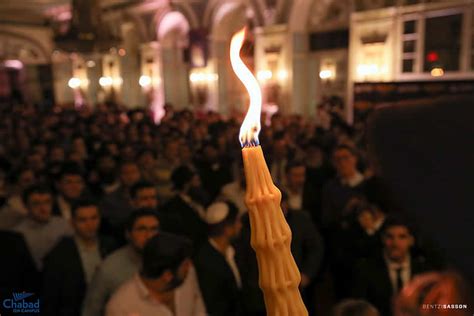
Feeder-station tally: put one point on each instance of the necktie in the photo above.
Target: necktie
(399, 279)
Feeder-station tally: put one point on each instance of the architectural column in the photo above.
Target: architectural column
(153, 91)
(220, 61)
(175, 77)
(300, 100)
(132, 95)
(94, 72)
(62, 72)
(32, 85)
(111, 70)
(273, 67)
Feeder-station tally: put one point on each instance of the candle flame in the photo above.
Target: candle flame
(251, 125)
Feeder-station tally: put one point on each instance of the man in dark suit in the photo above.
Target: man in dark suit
(306, 248)
(379, 278)
(71, 187)
(213, 170)
(142, 194)
(18, 271)
(218, 274)
(70, 265)
(301, 195)
(318, 173)
(339, 192)
(184, 213)
(116, 206)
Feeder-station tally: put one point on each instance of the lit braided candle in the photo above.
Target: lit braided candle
(279, 276)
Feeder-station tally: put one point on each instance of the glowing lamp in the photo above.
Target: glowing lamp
(326, 74)
(282, 74)
(144, 81)
(264, 75)
(117, 81)
(437, 72)
(74, 83)
(106, 81)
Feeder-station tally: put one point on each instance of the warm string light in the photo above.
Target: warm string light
(251, 126)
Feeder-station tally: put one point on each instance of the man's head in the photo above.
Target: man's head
(144, 195)
(366, 216)
(171, 149)
(185, 153)
(344, 159)
(25, 178)
(85, 219)
(56, 153)
(314, 154)
(397, 238)
(39, 201)
(146, 159)
(41, 148)
(106, 166)
(285, 208)
(184, 179)
(71, 182)
(129, 173)
(295, 175)
(223, 220)
(166, 261)
(210, 151)
(79, 145)
(352, 307)
(280, 145)
(141, 226)
(35, 161)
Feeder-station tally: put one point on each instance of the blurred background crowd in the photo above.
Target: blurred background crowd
(83, 192)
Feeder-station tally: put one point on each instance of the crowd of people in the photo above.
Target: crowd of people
(105, 212)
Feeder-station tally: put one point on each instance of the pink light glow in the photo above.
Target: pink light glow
(64, 16)
(173, 21)
(13, 63)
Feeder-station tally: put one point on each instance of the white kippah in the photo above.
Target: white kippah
(216, 212)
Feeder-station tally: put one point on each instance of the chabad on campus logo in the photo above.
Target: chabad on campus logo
(19, 305)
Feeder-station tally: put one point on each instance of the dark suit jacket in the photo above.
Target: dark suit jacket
(213, 179)
(115, 209)
(306, 242)
(217, 282)
(306, 248)
(179, 218)
(372, 281)
(18, 272)
(316, 178)
(64, 283)
(335, 197)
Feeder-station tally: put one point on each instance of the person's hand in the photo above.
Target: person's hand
(430, 289)
(350, 205)
(304, 280)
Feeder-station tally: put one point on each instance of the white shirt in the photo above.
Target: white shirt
(230, 259)
(236, 194)
(90, 258)
(41, 237)
(64, 208)
(392, 271)
(16, 203)
(295, 200)
(354, 181)
(134, 299)
(194, 205)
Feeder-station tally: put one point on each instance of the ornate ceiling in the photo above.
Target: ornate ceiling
(32, 12)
